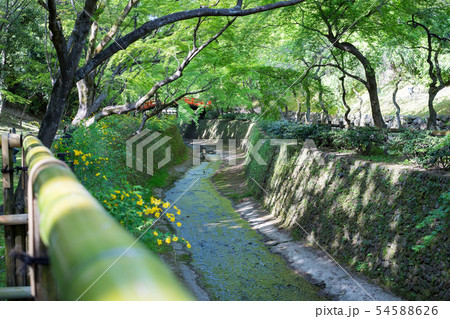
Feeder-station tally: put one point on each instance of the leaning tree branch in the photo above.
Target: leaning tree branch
(128, 107)
(148, 27)
(81, 30)
(56, 32)
(115, 28)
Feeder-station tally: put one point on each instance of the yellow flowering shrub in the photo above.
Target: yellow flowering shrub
(140, 215)
(99, 161)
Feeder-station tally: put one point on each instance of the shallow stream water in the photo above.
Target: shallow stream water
(231, 259)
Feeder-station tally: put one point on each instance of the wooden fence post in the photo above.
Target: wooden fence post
(15, 233)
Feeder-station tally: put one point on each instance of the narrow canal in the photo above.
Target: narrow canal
(231, 259)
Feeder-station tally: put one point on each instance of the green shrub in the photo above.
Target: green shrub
(211, 115)
(438, 156)
(360, 139)
(228, 116)
(422, 148)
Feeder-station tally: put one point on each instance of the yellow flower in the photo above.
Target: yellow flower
(178, 212)
(87, 163)
(166, 205)
(155, 233)
(77, 153)
(175, 238)
(140, 203)
(117, 192)
(159, 241)
(83, 157)
(175, 207)
(188, 245)
(97, 174)
(167, 240)
(157, 215)
(127, 195)
(75, 162)
(122, 197)
(105, 177)
(105, 201)
(172, 220)
(113, 196)
(179, 224)
(139, 213)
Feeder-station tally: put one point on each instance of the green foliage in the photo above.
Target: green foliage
(13, 98)
(439, 154)
(435, 222)
(361, 139)
(422, 148)
(287, 129)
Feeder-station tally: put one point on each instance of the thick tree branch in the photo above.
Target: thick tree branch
(80, 31)
(120, 109)
(112, 32)
(56, 33)
(125, 41)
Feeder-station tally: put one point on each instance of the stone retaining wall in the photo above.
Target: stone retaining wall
(383, 220)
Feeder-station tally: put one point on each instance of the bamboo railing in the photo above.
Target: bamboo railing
(91, 256)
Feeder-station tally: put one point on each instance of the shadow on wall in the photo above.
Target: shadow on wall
(383, 220)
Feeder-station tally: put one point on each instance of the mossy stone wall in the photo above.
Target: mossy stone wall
(378, 219)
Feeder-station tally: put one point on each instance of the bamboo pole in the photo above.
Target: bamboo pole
(15, 140)
(92, 257)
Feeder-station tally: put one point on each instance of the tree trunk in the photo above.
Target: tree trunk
(299, 108)
(371, 80)
(286, 110)
(322, 106)
(55, 110)
(371, 86)
(344, 101)
(321, 103)
(360, 105)
(86, 97)
(431, 123)
(307, 102)
(397, 107)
